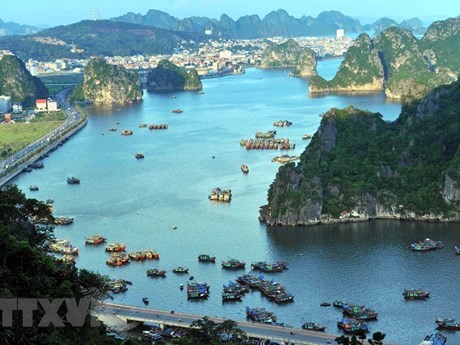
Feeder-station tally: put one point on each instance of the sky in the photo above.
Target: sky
(63, 12)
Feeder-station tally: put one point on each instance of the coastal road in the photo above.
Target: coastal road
(254, 330)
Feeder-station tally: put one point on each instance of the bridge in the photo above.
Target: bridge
(282, 335)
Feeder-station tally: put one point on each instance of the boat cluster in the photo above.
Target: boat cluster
(218, 194)
(270, 289)
(267, 144)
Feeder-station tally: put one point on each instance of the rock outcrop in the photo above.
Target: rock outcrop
(169, 77)
(287, 55)
(17, 82)
(107, 84)
(398, 63)
(359, 167)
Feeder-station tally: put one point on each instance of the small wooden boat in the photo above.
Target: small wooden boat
(306, 136)
(126, 132)
(112, 129)
(139, 155)
(154, 272)
(145, 300)
(206, 258)
(33, 188)
(313, 326)
(177, 111)
(325, 304)
(180, 269)
(73, 180)
(244, 168)
(448, 324)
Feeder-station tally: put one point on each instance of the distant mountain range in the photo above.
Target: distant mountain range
(10, 28)
(95, 38)
(275, 23)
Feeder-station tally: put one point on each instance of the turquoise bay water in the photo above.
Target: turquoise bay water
(138, 202)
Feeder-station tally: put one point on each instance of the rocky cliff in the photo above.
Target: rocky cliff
(17, 82)
(169, 77)
(360, 167)
(290, 54)
(398, 63)
(109, 84)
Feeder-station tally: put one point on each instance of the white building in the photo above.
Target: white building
(17, 108)
(339, 33)
(5, 104)
(225, 54)
(51, 105)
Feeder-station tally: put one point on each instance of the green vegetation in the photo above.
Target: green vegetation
(396, 61)
(97, 38)
(206, 331)
(59, 82)
(16, 136)
(358, 160)
(106, 83)
(26, 271)
(17, 82)
(169, 77)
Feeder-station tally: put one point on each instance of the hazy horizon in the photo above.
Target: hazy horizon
(45, 13)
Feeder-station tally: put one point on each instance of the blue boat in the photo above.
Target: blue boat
(436, 338)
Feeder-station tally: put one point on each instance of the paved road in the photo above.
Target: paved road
(255, 330)
(73, 117)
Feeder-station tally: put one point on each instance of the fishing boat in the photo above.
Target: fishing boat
(260, 315)
(277, 266)
(142, 125)
(154, 272)
(139, 155)
(206, 258)
(118, 259)
(63, 247)
(415, 294)
(180, 269)
(33, 188)
(117, 285)
(282, 297)
(63, 220)
(112, 129)
(177, 111)
(360, 313)
(265, 135)
(351, 326)
(115, 247)
(95, 239)
(151, 254)
(137, 256)
(197, 290)
(426, 245)
(313, 326)
(448, 324)
(233, 264)
(306, 136)
(73, 180)
(244, 168)
(126, 132)
(218, 194)
(231, 296)
(436, 338)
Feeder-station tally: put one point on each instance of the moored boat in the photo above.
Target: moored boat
(448, 324)
(117, 285)
(285, 159)
(277, 266)
(218, 194)
(260, 315)
(426, 245)
(37, 165)
(233, 264)
(154, 272)
(73, 180)
(359, 313)
(313, 326)
(415, 294)
(126, 132)
(180, 269)
(244, 168)
(63, 220)
(436, 338)
(63, 247)
(115, 247)
(197, 290)
(206, 258)
(118, 259)
(95, 239)
(231, 296)
(282, 123)
(306, 136)
(137, 256)
(351, 326)
(160, 126)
